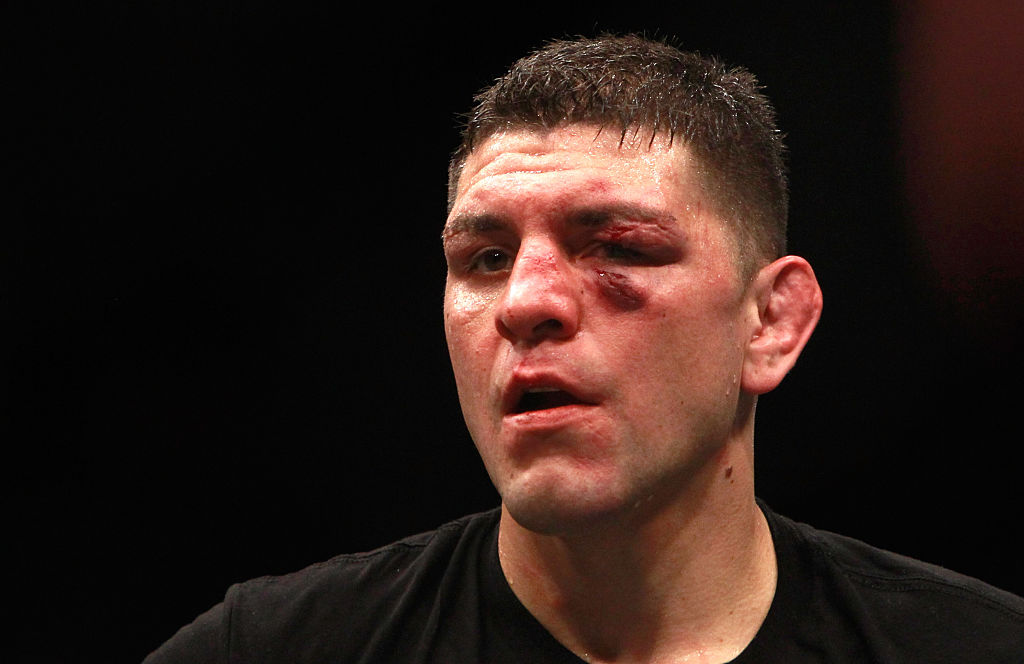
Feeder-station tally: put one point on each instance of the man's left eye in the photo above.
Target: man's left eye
(619, 252)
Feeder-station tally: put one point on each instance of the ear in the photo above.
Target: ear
(788, 308)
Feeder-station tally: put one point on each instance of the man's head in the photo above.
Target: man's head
(632, 85)
(609, 329)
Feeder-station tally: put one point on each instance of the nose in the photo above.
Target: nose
(541, 297)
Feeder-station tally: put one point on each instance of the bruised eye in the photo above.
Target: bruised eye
(617, 252)
(490, 260)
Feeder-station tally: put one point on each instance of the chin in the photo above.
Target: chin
(561, 506)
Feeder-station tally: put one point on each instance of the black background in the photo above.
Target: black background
(226, 279)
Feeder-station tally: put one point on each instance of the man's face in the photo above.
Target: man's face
(596, 320)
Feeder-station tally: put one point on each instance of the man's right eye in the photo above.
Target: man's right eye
(490, 260)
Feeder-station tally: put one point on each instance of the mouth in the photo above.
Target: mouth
(544, 398)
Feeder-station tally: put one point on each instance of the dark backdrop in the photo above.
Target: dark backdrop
(226, 279)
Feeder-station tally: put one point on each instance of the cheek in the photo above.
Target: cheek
(464, 312)
(470, 334)
(687, 331)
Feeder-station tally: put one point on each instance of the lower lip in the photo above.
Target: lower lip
(549, 418)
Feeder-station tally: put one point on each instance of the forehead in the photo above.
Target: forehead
(524, 165)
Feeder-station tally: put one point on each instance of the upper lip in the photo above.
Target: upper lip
(530, 381)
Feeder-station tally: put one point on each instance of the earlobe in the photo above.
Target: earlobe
(789, 305)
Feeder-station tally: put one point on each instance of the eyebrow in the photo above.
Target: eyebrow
(587, 217)
(473, 223)
(603, 215)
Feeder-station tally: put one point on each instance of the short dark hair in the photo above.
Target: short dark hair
(632, 82)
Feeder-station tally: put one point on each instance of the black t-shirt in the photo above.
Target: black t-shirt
(441, 597)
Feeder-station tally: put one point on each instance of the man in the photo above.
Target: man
(617, 298)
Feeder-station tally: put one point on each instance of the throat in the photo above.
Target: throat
(610, 609)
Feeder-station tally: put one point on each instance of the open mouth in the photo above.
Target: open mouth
(543, 399)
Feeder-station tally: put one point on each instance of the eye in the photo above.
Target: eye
(617, 252)
(490, 260)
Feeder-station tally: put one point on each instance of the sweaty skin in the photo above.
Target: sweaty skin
(582, 265)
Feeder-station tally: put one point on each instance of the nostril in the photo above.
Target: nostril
(549, 325)
(519, 327)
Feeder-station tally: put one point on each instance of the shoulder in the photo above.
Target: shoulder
(389, 566)
(911, 605)
(892, 573)
(316, 612)
(359, 585)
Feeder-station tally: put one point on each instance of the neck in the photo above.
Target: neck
(694, 578)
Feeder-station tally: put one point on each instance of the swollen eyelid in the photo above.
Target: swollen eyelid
(621, 252)
(641, 250)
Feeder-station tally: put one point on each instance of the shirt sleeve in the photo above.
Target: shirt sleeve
(204, 641)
